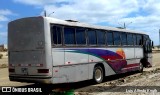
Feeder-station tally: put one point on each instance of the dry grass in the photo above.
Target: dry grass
(3, 65)
(1, 55)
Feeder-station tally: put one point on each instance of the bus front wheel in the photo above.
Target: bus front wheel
(98, 74)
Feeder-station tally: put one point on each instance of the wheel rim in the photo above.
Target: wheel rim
(98, 75)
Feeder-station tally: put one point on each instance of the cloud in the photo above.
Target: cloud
(93, 11)
(4, 13)
(144, 14)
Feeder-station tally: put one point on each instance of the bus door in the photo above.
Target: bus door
(148, 52)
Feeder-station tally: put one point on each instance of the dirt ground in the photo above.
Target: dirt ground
(146, 83)
(4, 60)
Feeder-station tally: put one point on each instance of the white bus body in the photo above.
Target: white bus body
(34, 57)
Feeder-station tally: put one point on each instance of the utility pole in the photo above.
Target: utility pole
(124, 25)
(45, 13)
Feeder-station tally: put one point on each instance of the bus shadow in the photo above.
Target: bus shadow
(48, 89)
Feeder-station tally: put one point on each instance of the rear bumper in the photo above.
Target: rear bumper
(31, 79)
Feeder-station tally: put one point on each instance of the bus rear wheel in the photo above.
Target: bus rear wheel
(98, 74)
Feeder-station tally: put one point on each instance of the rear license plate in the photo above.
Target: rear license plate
(24, 71)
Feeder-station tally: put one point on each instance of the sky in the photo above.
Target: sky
(140, 15)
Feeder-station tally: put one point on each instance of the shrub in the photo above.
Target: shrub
(3, 66)
(1, 55)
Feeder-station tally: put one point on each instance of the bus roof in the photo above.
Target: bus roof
(80, 24)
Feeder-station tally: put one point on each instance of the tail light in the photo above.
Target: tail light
(43, 70)
(12, 70)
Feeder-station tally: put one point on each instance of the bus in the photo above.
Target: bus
(49, 50)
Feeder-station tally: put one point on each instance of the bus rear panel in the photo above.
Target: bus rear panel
(26, 45)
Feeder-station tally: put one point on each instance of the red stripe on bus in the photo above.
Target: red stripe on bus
(132, 65)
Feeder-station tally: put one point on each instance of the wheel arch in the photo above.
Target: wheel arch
(144, 62)
(101, 65)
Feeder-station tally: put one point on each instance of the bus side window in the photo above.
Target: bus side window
(56, 33)
(134, 39)
(139, 40)
(129, 39)
(117, 40)
(69, 36)
(92, 39)
(109, 38)
(80, 36)
(124, 38)
(101, 37)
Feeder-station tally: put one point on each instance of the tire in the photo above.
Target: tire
(141, 67)
(98, 74)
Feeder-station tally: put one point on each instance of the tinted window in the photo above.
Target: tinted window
(56, 32)
(117, 40)
(109, 38)
(101, 37)
(139, 40)
(124, 38)
(145, 38)
(80, 36)
(92, 40)
(69, 35)
(134, 39)
(129, 39)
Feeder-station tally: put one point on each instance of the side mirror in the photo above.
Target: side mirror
(152, 44)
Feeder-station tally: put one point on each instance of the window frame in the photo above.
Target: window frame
(51, 30)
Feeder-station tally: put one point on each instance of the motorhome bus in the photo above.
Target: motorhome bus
(49, 50)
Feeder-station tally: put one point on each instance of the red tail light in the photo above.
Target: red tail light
(43, 70)
(11, 70)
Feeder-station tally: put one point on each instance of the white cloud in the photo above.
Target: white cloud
(144, 14)
(93, 11)
(4, 13)
(3, 18)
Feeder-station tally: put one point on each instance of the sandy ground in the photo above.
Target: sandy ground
(146, 83)
(4, 59)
